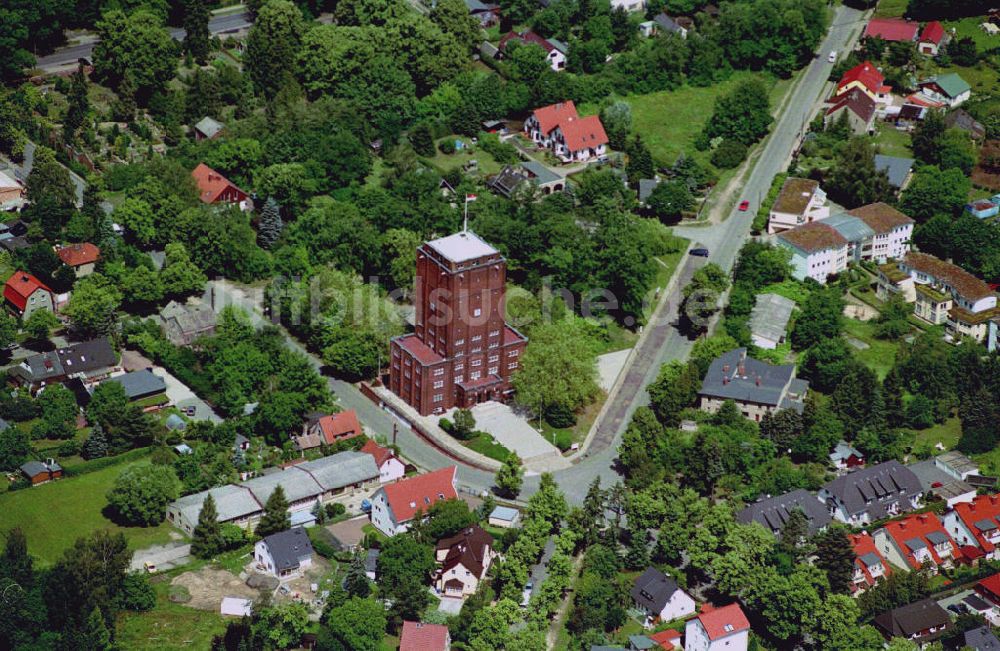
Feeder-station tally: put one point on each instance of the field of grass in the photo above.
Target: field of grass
(947, 434)
(54, 515)
(880, 354)
(485, 445)
(669, 120)
(969, 27)
(445, 162)
(891, 8)
(893, 142)
(793, 290)
(169, 625)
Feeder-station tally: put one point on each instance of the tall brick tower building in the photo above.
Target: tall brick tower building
(462, 352)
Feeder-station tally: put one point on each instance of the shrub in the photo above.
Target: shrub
(335, 509)
(729, 154)
(564, 440)
(68, 449)
(233, 536)
(137, 594)
(447, 147)
(446, 425)
(560, 416)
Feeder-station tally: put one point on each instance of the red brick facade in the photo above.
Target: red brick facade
(461, 352)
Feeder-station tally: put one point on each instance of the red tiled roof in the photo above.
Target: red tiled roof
(417, 636)
(990, 586)
(982, 507)
(211, 184)
(583, 133)
(891, 29)
(20, 286)
(720, 622)
(933, 33)
(668, 639)
(420, 351)
(340, 426)
(380, 453)
(75, 255)
(551, 116)
(866, 73)
(407, 496)
(865, 544)
(917, 525)
(920, 99)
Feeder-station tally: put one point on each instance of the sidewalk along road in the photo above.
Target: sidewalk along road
(723, 241)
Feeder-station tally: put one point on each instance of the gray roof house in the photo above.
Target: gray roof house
(284, 553)
(660, 598)
(512, 177)
(982, 639)
(371, 563)
(899, 170)
(756, 387)
(646, 187)
(872, 493)
(769, 320)
(184, 322)
(668, 25)
(773, 512)
(140, 384)
(921, 621)
(961, 119)
(303, 483)
(207, 128)
(87, 361)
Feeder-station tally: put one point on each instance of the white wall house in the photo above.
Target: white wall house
(286, 554)
(717, 629)
(660, 598)
(818, 251)
(393, 506)
(800, 201)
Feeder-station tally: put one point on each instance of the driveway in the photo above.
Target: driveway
(164, 557)
(349, 532)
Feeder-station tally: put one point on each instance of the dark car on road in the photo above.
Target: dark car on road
(700, 252)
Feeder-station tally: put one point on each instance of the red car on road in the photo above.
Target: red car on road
(744, 205)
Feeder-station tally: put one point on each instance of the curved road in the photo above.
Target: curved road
(664, 343)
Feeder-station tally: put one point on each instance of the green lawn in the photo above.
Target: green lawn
(947, 433)
(169, 625)
(445, 162)
(891, 8)
(793, 290)
(54, 515)
(669, 120)
(893, 142)
(485, 445)
(880, 354)
(969, 27)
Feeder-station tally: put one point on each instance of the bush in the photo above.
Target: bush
(564, 440)
(19, 484)
(446, 425)
(335, 510)
(560, 416)
(729, 154)
(137, 594)
(447, 147)
(319, 543)
(68, 449)
(233, 536)
(19, 408)
(502, 152)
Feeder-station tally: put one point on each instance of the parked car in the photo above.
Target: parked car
(700, 252)
(744, 205)
(526, 594)
(832, 58)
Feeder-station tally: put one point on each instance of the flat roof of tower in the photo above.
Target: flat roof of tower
(462, 247)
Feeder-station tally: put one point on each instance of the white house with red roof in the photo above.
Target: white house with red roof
(570, 137)
(418, 636)
(464, 560)
(869, 566)
(891, 29)
(916, 540)
(717, 629)
(26, 294)
(390, 468)
(932, 38)
(866, 77)
(976, 523)
(394, 506)
(213, 188)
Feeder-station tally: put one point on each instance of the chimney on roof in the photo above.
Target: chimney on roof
(922, 517)
(993, 499)
(902, 524)
(741, 370)
(725, 380)
(725, 368)
(757, 381)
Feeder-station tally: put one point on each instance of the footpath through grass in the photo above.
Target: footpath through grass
(54, 515)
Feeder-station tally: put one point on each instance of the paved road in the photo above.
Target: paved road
(68, 56)
(665, 342)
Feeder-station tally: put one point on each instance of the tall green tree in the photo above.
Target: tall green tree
(854, 180)
(206, 540)
(276, 517)
(15, 562)
(743, 114)
(78, 105)
(272, 46)
(48, 180)
(356, 581)
(93, 306)
(141, 493)
(135, 44)
(640, 161)
(196, 33)
(510, 476)
(270, 225)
